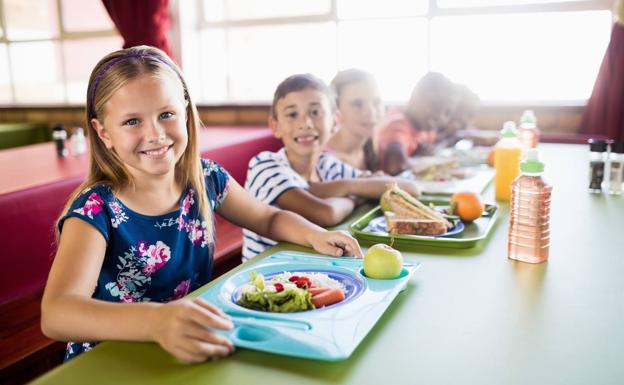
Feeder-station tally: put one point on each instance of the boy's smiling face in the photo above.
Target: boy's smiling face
(304, 121)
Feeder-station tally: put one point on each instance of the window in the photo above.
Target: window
(505, 50)
(527, 56)
(48, 48)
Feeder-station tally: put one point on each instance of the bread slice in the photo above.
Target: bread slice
(413, 226)
(406, 206)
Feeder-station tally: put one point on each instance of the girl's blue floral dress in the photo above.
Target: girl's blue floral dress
(150, 258)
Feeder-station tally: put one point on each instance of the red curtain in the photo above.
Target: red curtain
(604, 113)
(141, 21)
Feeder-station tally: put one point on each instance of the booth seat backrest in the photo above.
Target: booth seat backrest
(27, 219)
(27, 224)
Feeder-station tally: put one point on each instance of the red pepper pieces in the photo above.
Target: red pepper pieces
(300, 281)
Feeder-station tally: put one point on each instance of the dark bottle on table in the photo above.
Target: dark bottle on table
(59, 135)
(597, 159)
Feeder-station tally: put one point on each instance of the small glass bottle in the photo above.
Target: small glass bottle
(529, 216)
(507, 155)
(616, 168)
(528, 133)
(59, 135)
(597, 159)
(78, 142)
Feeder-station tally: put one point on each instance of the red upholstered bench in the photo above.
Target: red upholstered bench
(29, 209)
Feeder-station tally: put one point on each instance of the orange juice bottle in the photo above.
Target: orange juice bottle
(507, 154)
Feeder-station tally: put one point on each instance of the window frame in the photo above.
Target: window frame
(330, 16)
(61, 36)
(433, 11)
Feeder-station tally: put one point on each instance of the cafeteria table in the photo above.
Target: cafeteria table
(467, 316)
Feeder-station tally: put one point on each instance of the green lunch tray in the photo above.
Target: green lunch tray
(471, 234)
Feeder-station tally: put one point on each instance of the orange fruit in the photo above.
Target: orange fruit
(467, 205)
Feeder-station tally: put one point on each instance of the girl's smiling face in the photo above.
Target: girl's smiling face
(145, 124)
(359, 108)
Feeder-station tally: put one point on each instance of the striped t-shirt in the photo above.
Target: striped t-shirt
(270, 175)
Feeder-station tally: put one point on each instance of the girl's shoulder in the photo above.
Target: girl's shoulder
(217, 181)
(94, 205)
(209, 167)
(95, 195)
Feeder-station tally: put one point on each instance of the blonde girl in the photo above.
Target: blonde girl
(138, 235)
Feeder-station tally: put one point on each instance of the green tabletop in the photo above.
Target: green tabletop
(468, 316)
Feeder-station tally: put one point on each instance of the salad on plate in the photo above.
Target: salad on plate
(290, 292)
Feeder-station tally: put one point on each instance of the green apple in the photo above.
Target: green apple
(382, 262)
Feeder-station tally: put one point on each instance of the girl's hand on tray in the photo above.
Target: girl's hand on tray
(336, 244)
(183, 329)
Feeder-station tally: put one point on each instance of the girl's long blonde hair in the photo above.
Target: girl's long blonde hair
(105, 167)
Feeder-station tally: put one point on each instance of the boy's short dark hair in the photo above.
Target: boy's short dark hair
(300, 82)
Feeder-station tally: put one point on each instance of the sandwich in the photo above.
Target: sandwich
(405, 206)
(413, 226)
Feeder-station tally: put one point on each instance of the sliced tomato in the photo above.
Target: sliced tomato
(303, 281)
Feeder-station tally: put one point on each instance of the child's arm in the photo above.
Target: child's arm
(324, 212)
(68, 312)
(282, 225)
(371, 187)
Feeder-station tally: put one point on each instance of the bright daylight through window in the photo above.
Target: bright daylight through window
(506, 51)
(234, 51)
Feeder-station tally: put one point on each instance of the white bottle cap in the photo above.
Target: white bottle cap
(532, 154)
(528, 116)
(509, 129)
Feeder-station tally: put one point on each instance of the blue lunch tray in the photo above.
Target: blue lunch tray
(330, 333)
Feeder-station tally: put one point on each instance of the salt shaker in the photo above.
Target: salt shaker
(78, 142)
(616, 167)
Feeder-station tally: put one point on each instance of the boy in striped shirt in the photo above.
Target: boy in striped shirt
(300, 177)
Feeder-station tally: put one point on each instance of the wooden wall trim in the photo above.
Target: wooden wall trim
(552, 119)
